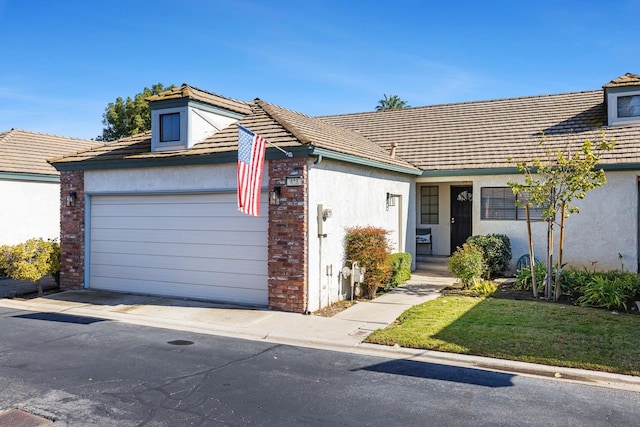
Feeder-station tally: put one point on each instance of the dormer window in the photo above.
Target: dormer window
(169, 127)
(624, 107)
(622, 97)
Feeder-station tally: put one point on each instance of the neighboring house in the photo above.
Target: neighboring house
(156, 213)
(30, 187)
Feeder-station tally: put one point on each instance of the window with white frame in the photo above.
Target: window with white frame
(429, 204)
(499, 203)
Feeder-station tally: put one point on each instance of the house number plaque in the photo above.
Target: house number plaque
(294, 181)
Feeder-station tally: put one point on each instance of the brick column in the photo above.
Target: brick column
(72, 231)
(287, 250)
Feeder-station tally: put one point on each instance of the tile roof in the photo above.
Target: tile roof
(27, 152)
(281, 127)
(490, 134)
(485, 134)
(628, 79)
(190, 92)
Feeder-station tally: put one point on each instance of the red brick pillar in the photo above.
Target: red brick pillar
(72, 230)
(287, 252)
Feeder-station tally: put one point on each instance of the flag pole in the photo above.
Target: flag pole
(287, 153)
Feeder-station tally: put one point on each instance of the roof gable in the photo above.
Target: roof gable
(282, 128)
(187, 92)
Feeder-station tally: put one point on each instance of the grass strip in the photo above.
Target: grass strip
(529, 331)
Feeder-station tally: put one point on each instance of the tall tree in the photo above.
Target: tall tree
(126, 117)
(552, 183)
(391, 102)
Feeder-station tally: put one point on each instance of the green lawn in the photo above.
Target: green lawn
(530, 331)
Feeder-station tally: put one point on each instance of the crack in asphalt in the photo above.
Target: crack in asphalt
(185, 400)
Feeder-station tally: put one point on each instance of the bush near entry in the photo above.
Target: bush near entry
(400, 265)
(370, 248)
(496, 250)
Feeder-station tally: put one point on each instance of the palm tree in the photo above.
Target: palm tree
(391, 102)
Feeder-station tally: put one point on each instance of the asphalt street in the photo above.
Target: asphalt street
(83, 371)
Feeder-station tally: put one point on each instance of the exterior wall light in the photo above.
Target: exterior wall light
(274, 196)
(70, 200)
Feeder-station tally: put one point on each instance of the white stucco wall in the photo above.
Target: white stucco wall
(29, 209)
(166, 179)
(357, 197)
(606, 226)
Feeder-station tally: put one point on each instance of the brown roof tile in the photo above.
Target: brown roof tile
(281, 127)
(190, 92)
(27, 152)
(485, 134)
(628, 79)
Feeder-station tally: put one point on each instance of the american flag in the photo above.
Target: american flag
(251, 149)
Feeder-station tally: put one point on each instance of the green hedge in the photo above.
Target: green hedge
(400, 269)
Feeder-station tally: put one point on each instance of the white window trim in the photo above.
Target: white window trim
(156, 144)
(612, 107)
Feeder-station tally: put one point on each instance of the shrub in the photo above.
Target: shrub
(400, 264)
(54, 261)
(603, 292)
(523, 277)
(467, 264)
(369, 246)
(496, 249)
(3, 259)
(30, 260)
(485, 288)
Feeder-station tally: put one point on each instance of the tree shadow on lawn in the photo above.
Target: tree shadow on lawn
(440, 372)
(513, 325)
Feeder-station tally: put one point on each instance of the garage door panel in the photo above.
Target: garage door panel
(191, 245)
(173, 210)
(178, 236)
(179, 277)
(242, 295)
(183, 249)
(183, 265)
(200, 223)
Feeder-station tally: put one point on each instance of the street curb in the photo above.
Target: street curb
(563, 374)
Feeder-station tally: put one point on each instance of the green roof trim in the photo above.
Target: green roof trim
(348, 158)
(514, 170)
(14, 176)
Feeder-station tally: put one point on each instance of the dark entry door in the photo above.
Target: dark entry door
(460, 215)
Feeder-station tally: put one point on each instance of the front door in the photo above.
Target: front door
(460, 215)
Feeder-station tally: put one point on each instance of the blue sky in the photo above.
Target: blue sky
(64, 61)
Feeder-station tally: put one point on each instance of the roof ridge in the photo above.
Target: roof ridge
(188, 86)
(449, 104)
(270, 110)
(14, 131)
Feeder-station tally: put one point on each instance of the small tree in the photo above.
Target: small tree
(30, 260)
(126, 117)
(370, 248)
(552, 183)
(392, 102)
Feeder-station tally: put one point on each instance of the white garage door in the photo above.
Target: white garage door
(191, 245)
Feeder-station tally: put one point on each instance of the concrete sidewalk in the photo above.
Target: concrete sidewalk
(343, 332)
